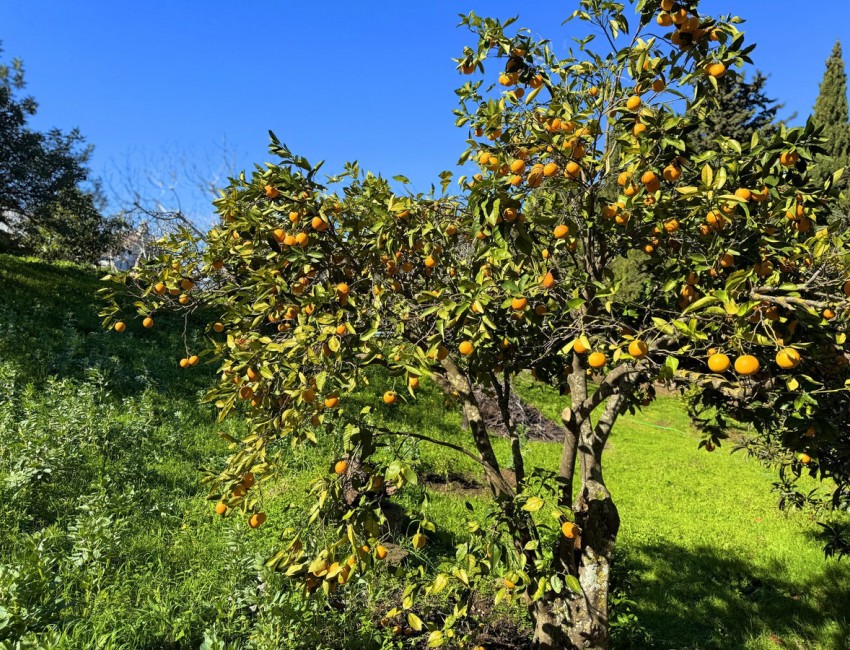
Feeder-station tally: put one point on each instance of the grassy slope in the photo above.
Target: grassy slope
(124, 523)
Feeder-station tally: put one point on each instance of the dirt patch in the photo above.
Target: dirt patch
(537, 426)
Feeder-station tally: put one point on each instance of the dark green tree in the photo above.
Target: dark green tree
(831, 113)
(742, 109)
(45, 204)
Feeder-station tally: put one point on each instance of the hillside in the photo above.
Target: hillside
(107, 538)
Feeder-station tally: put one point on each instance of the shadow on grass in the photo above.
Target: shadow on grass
(704, 599)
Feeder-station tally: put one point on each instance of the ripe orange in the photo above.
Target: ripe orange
(341, 467)
(550, 169)
(257, 520)
(596, 360)
(718, 362)
(623, 179)
(120, 326)
(810, 432)
(218, 327)
(248, 480)
(381, 552)
(573, 169)
(271, 191)
(294, 217)
(805, 459)
(390, 397)
(659, 85)
(579, 347)
(743, 193)
(159, 288)
(342, 289)
(648, 178)
(413, 382)
(148, 322)
(788, 358)
(194, 360)
(548, 280)
(569, 529)
(467, 68)
(789, 158)
(665, 19)
(633, 103)
(746, 365)
(562, 231)
(184, 363)
(828, 314)
(671, 173)
(716, 70)
(593, 91)
(638, 349)
(517, 166)
(308, 395)
(319, 224)
(667, 5)
(672, 225)
(466, 348)
(187, 284)
(302, 239)
(331, 401)
(638, 129)
(727, 261)
(220, 508)
(520, 303)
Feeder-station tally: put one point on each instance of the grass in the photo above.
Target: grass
(107, 539)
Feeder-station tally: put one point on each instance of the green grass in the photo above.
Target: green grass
(107, 538)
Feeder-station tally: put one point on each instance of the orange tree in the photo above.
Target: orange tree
(582, 158)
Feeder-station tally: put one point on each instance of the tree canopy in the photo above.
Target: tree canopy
(45, 206)
(577, 159)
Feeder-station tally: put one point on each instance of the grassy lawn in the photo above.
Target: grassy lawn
(107, 539)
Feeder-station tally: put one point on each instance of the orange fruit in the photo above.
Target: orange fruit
(746, 365)
(579, 347)
(548, 280)
(294, 217)
(638, 129)
(789, 158)
(159, 288)
(727, 261)
(623, 179)
(638, 349)
(319, 224)
(596, 360)
(569, 529)
(517, 166)
(659, 85)
(743, 193)
(220, 508)
(805, 459)
(381, 552)
(308, 395)
(413, 382)
(671, 173)
(148, 322)
(718, 362)
(184, 363)
(257, 520)
(667, 5)
(788, 358)
(466, 348)
(573, 169)
(302, 239)
(248, 480)
(390, 397)
(633, 103)
(331, 401)
(810, 432)
(550, 169)
(562, 231)
(828, 314)
(665, 19)
(271, 191)
(218, 327)
(194, 360)
(716, 70)
(672, 225)
(419, 540)
(341, 467)
(520, 303)
(120, 326)
(342, 289)
(648, 178)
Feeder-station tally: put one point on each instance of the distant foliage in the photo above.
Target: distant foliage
(45, 206)
(831, 113)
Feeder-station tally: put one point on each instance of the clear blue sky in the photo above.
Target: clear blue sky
(335, 80)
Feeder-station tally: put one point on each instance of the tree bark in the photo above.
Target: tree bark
(580, 621)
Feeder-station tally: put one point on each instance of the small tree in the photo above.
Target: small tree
(582, 158)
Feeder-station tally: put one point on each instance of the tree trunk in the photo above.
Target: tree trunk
(580, 621)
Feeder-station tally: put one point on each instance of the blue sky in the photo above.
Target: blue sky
(151, 83)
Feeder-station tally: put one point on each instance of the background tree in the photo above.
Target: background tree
(831, 113)
(742, 110)
(45, 207)
(580, 162)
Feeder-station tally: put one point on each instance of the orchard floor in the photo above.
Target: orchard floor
(107, 539)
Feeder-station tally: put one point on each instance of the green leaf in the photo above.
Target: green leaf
(533, 504)
(414, 621)
(572, 583)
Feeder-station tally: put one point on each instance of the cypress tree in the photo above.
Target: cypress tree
(831, 112)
